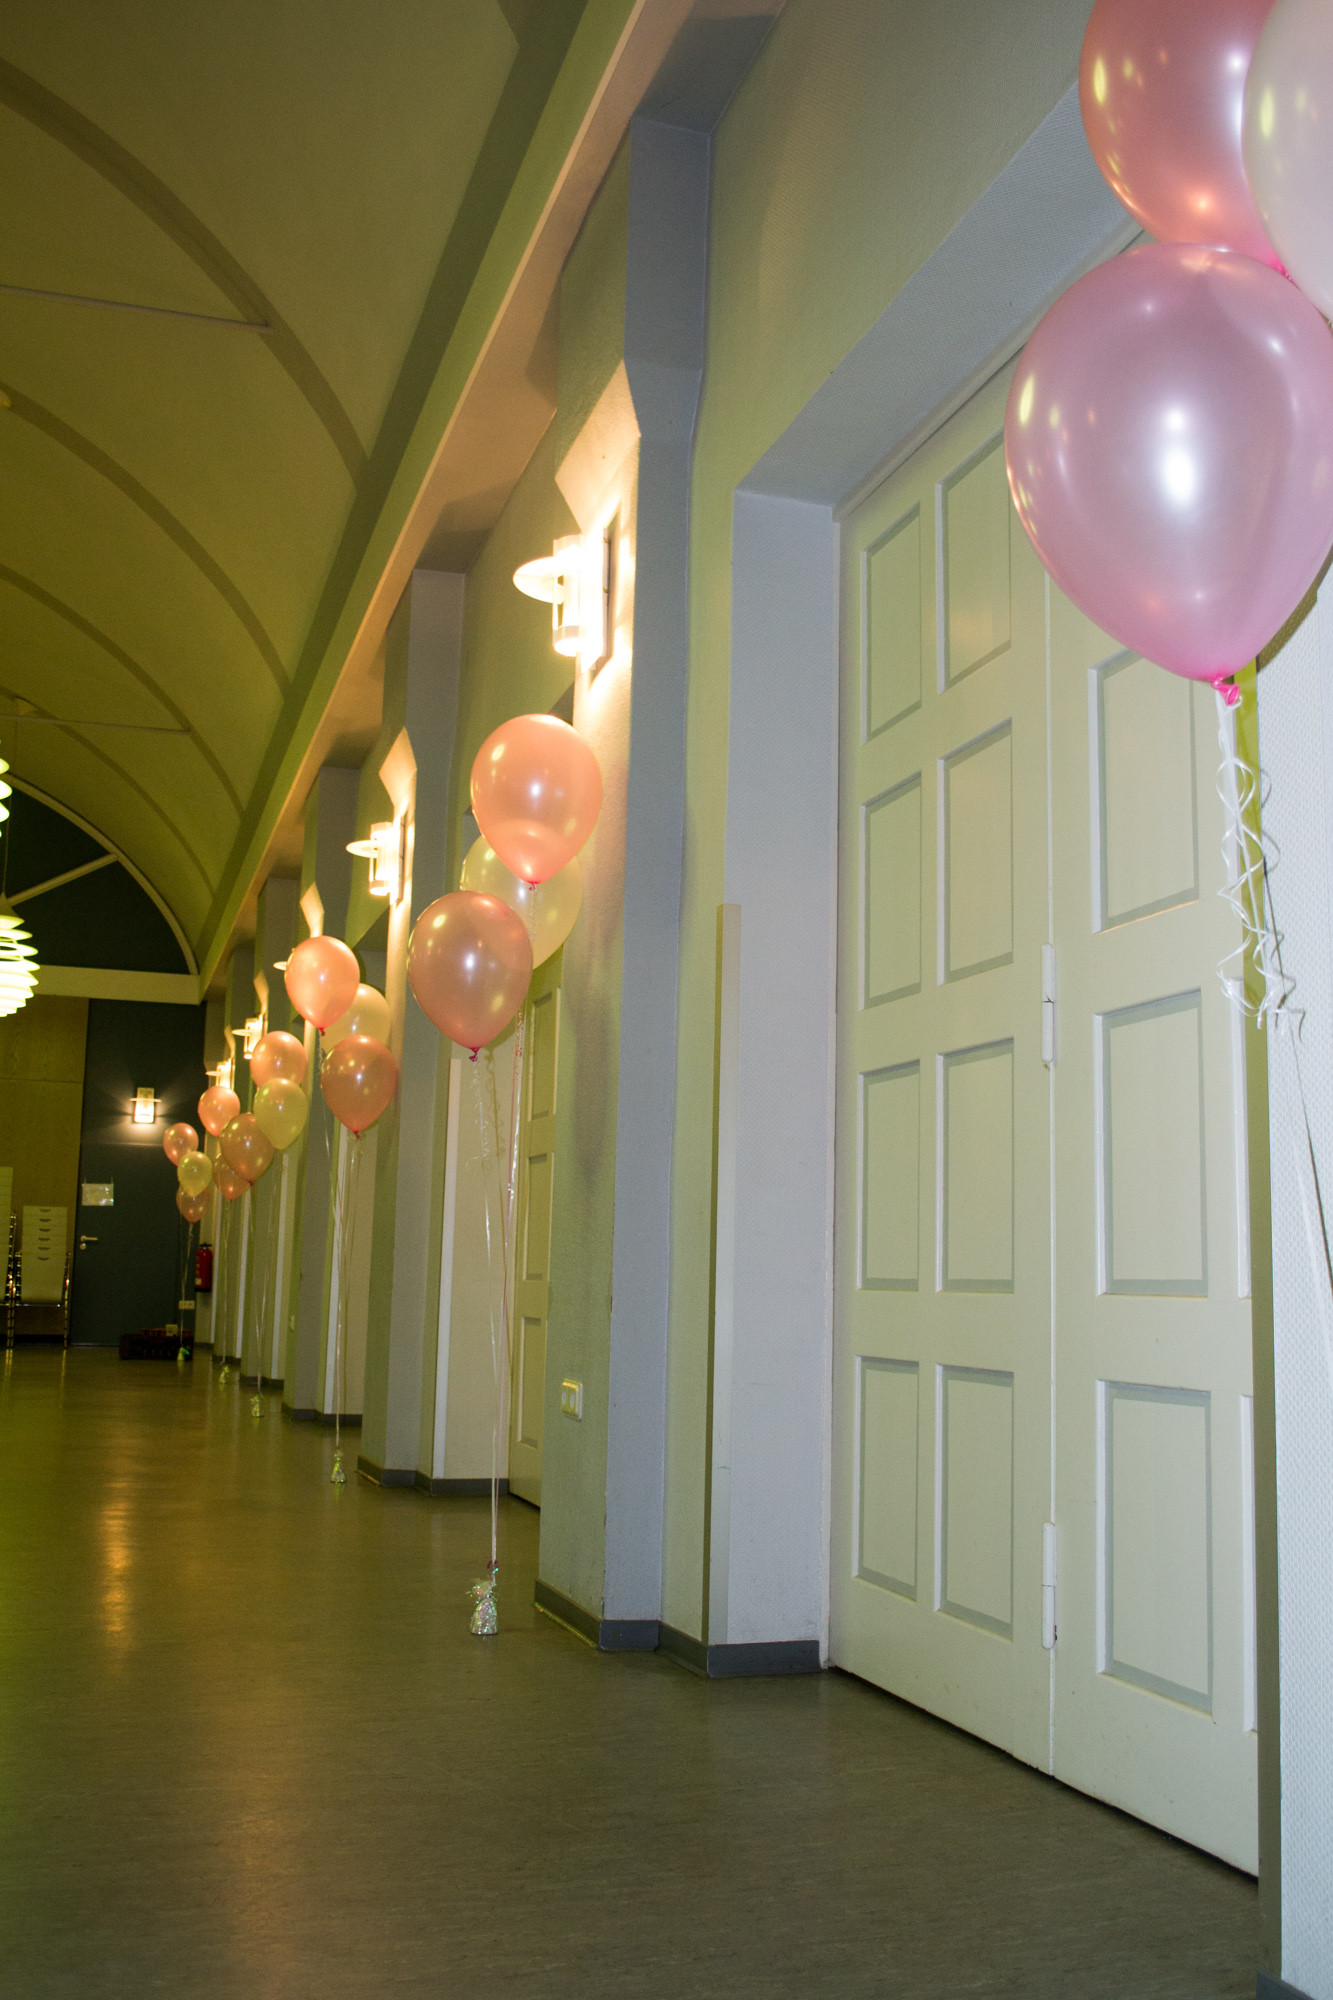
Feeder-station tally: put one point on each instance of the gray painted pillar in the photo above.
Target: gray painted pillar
(330, 822)
(665, 300)
(422, 654)
(240, 1006)
(273, 1202)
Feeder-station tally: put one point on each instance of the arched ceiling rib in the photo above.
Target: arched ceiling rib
(51, 114)
(292, 204)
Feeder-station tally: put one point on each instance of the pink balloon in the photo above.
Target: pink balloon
(217, 1107)
(536, 792)
(1169, 438)
(245, 1147)
(278, 1055)
(321, 979)
(228, 1182)
(178, 1140)
(192, 1207)
(1161, 85)
(358, 1078)
(468, 963)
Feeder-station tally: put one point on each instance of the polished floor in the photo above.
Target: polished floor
(248, 1748)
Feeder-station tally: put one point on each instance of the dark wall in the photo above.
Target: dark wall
(130, 1276)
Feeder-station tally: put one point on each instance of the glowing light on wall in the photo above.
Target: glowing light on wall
(18, 961)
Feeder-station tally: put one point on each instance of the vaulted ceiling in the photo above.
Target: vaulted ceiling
(234, 242)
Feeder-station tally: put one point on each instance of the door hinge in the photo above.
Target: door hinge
(1048, 1582)
(1048, 1004)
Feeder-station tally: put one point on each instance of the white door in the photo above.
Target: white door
(943, 1277)
(1037, 1310)
(532, 1260)
(1154, 1689)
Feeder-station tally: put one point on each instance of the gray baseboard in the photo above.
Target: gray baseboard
(455, 1489)
(609, 1635)
(721, 1663)
(1270, 1987)
(320, 1417)
(385, 1475)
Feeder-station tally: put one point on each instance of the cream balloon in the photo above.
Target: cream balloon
(281, 1110)
(367, 1015)
(548, 912)
(195, 1173)
(1288, 140)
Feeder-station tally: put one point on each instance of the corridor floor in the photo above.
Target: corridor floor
(250, 1751)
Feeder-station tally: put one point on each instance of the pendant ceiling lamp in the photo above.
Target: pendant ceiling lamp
(18, 961)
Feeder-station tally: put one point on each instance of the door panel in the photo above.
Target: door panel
(533, 1237)
(943, 1279)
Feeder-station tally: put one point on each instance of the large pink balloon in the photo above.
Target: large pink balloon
(178, 1140)
(228, 1182)
(217, 1107)
(246, 1149)
(536, 792)
(1161, 85)
(1169, 438)
(321, 979)
(469, 963)
(358, 1078)
(278, 1055)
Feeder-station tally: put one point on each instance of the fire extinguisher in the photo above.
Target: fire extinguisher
(203, 1268)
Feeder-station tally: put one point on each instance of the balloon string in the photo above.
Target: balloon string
(1250, 856)
(488, 1137)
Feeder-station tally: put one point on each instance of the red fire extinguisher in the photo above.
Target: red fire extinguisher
(203, 1268)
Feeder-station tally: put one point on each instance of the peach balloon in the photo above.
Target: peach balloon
(321, 979)
(228, 1182)
(217, 1107)
(367, 1015)
(278, 1055)
(468, 963)
(245, 1147)
(193, 1207)
(548, 912)
(536, 792)
(358, 1078)
(178, 1140)
(195, 1173)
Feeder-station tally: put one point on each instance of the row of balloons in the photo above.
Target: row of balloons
(536, 795)
(1169, 430)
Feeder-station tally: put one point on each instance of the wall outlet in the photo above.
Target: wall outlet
(571, 1400)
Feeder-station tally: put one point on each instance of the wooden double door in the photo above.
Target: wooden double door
(1042, 1507)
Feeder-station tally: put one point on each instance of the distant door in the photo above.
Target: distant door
(532, 1237)
(1042, 1331)
(127, 1256)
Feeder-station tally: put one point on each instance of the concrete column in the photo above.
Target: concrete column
(326, 875)
(274, 1200)
(422, 652)
(239, 1005)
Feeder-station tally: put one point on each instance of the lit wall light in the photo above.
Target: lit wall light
(386, 851)
(6, 792)
(222, 1074)
(250, 1034)
(145, 1105)
(18, 961)
(575, 581)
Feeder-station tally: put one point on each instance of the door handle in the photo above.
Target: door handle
(86, 1239)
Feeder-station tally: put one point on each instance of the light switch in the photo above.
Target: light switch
(571, 1400)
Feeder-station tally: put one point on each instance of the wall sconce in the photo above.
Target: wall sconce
(386, 851)
(145, 1105)
(576, 580)
(251, 1033)
(222, 1074)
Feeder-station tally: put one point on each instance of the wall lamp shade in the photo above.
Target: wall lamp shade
(571, 581)
(386, 851)
(6, 792)
(18, 961)
(251, 1033)
(145, 1105)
